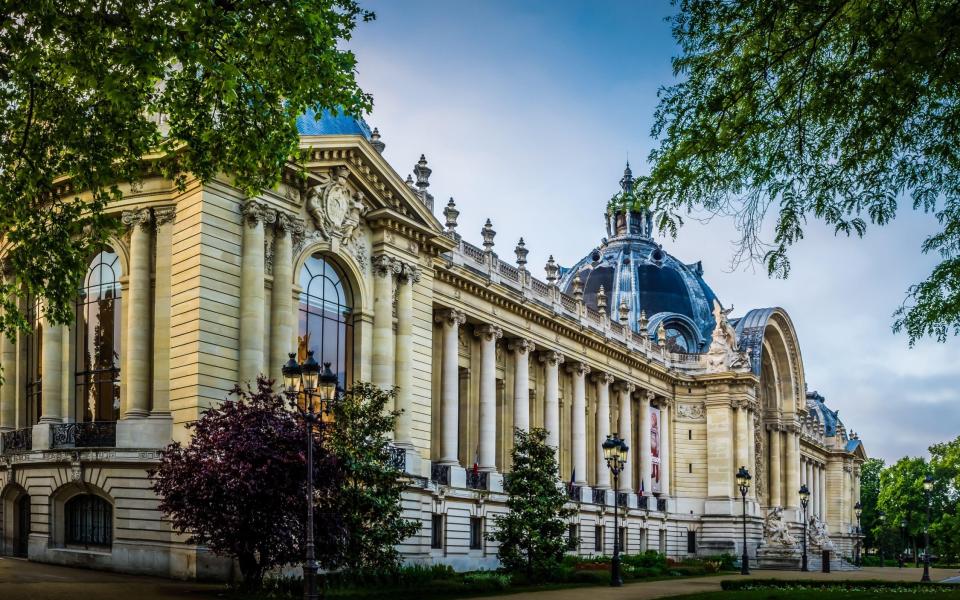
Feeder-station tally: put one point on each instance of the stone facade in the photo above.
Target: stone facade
(215, 288)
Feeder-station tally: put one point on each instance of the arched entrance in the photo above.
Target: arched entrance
(21, 527)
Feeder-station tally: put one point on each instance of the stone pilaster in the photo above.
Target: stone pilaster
(163, 219)
(488, 334)
(256, 215)
(139, 349)
(776, 460)
(408, 277)
(282, 312)
(521, 382)
(666, 430)
(578, 428)
(551, 404)
(743, 458)
(823, 492)
(792, 436)
(8, 391)
(625, 430)
(451, 320)
(603, 381)
(385, 268)
(720, 468)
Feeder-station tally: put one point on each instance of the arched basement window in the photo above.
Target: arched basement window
(98, 339)
(325, 317)
(89, 521)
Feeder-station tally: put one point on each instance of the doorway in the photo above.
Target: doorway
(21, 540)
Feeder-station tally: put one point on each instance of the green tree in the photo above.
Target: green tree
(869, 491)
(368, 503)
(836, 110)
(89, 90)
(945, 530)
(532, 535)
(902, 497)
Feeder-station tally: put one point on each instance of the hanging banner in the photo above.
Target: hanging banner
(655, 449)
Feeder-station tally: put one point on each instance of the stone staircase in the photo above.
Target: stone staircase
(837, 563)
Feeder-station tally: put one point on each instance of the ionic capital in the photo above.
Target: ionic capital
(602, 378)
(163, 215)
(650, 395)
(255, 212)
(521, 346)
(386, 266)
(551, 358)
(409, 273)
(450, 316)
(139, 217)
(578, 368)
(287, 223)
(624, 386)
(490, 333)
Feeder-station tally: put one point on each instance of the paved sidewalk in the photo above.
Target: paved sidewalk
(676, 587)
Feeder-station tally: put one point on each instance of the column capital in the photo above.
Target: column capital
(662, 402)
(578, 368)
(409, 273)
(287, 223)
(551, 358)
(136, 217)
(163, 215)
(451, 316)
(490, 333)
(521, 345)
(602, 378)
(386, 266)
(650, 395)
(624, 386)
(255, 212)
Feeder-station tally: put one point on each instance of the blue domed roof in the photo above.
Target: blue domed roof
(817, 405)
(331, 123)
(633, 268)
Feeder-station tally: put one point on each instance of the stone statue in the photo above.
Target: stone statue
(724, 354)
(819, 537)
(776, 531)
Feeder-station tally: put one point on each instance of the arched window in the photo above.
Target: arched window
(677, 340)
(98, 339)
(33, 350)
(325, 317)
(88, 521)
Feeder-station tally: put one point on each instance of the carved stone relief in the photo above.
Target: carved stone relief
(692, 412)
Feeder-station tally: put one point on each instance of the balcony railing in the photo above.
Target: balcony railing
(662, 504)
(599, 496)
(95, 434)
(18, 440)
(478, 480)
(398, 458)
(573, 492)
(440, 474)
(642, 501)
(623, 498)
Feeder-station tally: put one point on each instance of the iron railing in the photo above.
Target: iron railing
(478, 480)
(623, 498)
(573, 492)
(93, 434)
(18, 440)
(398, 458)
(440, 474)
(662, 504)
(599, 496)
(642, 501)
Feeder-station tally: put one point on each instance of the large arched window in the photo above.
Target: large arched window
(88, 521)
(98, 339)
(33, 355)
(325, 317)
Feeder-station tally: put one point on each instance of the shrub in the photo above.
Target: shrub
(486, 581)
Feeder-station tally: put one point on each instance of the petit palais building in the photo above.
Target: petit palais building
(208, 288)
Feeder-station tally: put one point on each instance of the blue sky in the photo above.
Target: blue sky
(526, 112)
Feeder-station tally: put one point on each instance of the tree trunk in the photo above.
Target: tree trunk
(251, 570)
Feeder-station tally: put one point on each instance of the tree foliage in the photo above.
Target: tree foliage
(532, 534)
(869, 491)
(239, 486)
(836, 110)
(88, 90)
(368, 500)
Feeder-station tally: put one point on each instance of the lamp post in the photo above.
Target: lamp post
(883, 527)
(615, 453)
(927, 488)
(804, 499)
(743, 482)
(315, 391)
(903, 543)
(858, 510)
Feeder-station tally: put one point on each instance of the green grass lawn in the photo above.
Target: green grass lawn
(818, 594)
(783, 589)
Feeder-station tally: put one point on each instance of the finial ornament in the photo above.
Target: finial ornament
(577, 288)
(450, 213)
(488, 234)
(644, 323)
(661, 335)
(521, 252)
(552, 269)
(378, 145)
(422, 173)
(624, 311)
(602, 300)
(409, 182)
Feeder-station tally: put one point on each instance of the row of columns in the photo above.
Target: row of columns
(815, 477)
(784, 465)
(452, 319)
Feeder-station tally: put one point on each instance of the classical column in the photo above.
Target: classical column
(8, 393)
(603, 381)
(625, 427)
(752, 452)
(578, 429)
(665, 429)
(52, 369)
(521, 382)
(450, 384)
(384, 269)
(823, 492)
(776, 497)
(488, 334)
(282, 313)
(138, 352)
(163, 222)
(551, 405)
(254, 216)
(408, 277)
(793, 466)
(742, 459)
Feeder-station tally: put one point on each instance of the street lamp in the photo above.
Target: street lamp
(314, 391)
(804, 499)
(615, 453)
(903, 543)
(927, 488)
(858, 510)
(883, 526)
(743, 482)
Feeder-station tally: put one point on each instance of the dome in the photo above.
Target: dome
(331, 123)
(634, 269)
(817, 407)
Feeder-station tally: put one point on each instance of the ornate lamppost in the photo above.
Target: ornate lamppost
(615, 453)
(743, 482)
(883, 527)
(927, 488)
(314, 391)
(804, 499)
(858, 510)
(903, 543)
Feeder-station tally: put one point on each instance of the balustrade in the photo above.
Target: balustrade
(18, 440)
(93, 434)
